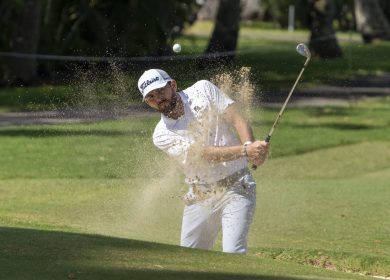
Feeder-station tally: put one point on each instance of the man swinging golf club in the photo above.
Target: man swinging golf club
(198, 128)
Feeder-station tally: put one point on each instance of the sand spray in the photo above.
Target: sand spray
(238, 86)
(97, 94)
(147, 207)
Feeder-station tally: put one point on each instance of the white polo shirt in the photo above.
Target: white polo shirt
(201, 125)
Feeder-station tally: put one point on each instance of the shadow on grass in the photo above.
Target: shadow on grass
(190, 275)
(39, 254)
(53, 132)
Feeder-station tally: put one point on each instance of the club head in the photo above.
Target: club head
(303, 50)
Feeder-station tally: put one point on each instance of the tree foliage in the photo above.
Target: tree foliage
(141, 27)
(123, 27)
(98, 27)
(95, 27)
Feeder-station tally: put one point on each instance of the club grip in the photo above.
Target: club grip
(267, 139)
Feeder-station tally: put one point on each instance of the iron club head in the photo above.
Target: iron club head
(303, 50)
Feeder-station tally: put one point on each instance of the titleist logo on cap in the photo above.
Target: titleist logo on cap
(148, 82)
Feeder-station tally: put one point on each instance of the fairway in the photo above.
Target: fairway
(100, 201)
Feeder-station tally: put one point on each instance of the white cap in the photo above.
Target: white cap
(152, 79)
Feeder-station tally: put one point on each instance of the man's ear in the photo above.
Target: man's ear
(146, 102)
(174, 85)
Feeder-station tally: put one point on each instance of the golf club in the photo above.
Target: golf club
(303, 50)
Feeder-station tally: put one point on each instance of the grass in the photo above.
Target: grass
(33, 98)
(97, 201)
(59, 255)
(91, 199)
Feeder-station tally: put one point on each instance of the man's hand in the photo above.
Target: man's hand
(257, 152)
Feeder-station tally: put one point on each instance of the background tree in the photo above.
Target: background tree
(23, 38)
(371, 20)
(123, 27)
(276, 11)
(344, 18)
(225, 35)
(385, 5)
(323, 42)
(89, 28)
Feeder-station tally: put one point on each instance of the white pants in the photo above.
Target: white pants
(232, 210)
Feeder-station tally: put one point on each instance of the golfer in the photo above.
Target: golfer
(203, 130)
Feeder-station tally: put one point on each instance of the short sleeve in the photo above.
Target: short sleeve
(218, 98)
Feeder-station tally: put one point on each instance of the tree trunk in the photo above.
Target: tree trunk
(225, 34)
(25, 40)
(323, 42)
(208, 10)
(371, 22)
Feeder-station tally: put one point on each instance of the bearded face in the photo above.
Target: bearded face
(163, 99)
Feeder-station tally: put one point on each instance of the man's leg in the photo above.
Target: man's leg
(237, 216)
(200, 227)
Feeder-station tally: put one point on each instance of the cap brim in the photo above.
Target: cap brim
(156, 86)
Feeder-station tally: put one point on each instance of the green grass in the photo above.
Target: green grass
(33, 98)
(322, 200)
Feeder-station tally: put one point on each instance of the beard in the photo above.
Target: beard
(168, 105)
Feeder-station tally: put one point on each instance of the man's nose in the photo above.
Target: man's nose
(158, 98)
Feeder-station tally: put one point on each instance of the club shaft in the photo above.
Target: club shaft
(268, 138)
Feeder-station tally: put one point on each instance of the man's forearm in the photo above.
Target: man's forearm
(224, 153)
